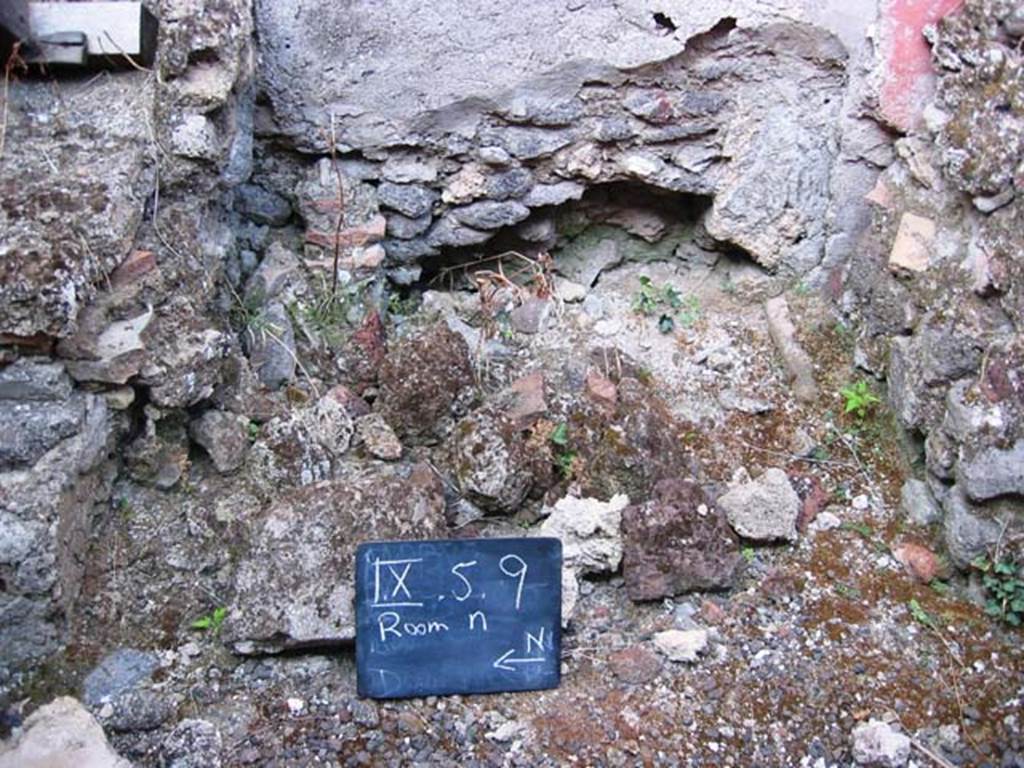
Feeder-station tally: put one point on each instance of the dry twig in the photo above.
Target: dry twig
(129, 59)
(795, 457)
(266, 330)
(14, 62)
(848, 443)
(932, 754)
(340, 221)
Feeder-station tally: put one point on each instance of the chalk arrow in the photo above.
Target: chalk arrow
(504, 662)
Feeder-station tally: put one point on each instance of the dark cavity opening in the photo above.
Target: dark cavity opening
(204, 56)
(665, 22)
(612, 224)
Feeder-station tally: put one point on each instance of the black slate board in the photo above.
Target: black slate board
(460, 616)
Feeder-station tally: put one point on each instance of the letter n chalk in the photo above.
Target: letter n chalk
(458, 617)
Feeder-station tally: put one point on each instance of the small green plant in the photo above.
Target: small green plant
(845, 590)
(245, 313)
(858, 399)
(819, 453)
(564, 457)
(501, 326)
(748, 553)
(802, 289)
(863, 529)
(648, 299)
(211, 621)
(564, 461)
(920, 615)
(560, 434)
(1004, 589)
(689, 311)
(399, 306)
(326, 312)
(254, 431)
(845, 335)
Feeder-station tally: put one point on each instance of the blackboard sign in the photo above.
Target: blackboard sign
(461, 616)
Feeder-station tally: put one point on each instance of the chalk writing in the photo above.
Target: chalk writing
(469, 587)
(478, 615)
(461, 616)
(519, 573)
(398, 583)
(535, 640)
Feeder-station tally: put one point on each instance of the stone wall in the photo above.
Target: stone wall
(743, 105)
(52, 470)
(113, 242)
(937, 284)
(166, 236)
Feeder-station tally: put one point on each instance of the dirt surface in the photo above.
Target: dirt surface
(816, 638)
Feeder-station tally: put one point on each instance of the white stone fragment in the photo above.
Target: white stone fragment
(60, 735)
(914, 242)
(878, 744)
(682, 645)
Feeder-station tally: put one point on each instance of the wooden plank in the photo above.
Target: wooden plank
(59, 48)
(110, 28)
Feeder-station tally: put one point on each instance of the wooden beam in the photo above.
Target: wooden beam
(111, 29)
(59, 48)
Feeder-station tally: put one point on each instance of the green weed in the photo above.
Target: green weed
(211, 621)
(859, 399)
(564, 461)
(327, 312)
(845, 590)
(565, 457)
(921, 616)
(399, 306)
(689, 312)
(245, 313)
(645, 301)
(560, 434)
(124, 507)
(1004, 589)
(863, 529)
(674, 306)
